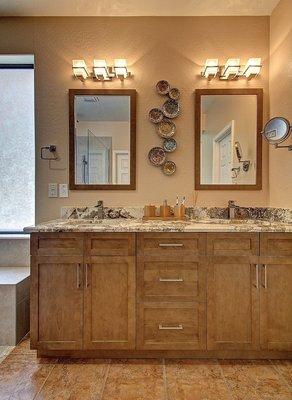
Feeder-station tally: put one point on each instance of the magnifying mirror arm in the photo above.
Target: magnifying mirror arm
(289, 147)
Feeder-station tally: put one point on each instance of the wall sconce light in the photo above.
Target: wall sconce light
(232, 69)
(80, 69)
(100, 70)
(120, 67)
(252, 68)
(211, 68)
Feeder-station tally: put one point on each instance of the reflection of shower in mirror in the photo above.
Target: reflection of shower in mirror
(245, 163)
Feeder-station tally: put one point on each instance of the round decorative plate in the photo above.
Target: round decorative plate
(169, 145)
(155, 115)
(170, 108)
(169, 168)
(162, 87)
(157, 156)
(166, 128)
(174, 94)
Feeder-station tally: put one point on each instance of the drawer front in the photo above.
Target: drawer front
(51, 244)
(233, 244)
(168, 245)
(172, 326)
(276, 244)
(110, 244)
(171, 281)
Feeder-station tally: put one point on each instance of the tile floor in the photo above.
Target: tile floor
(24, 377)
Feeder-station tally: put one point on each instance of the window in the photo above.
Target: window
(17, 143)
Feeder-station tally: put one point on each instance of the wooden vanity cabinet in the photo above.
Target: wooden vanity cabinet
(233, 291)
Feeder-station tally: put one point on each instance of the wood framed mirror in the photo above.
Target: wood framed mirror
(102, 139)
(228, 140)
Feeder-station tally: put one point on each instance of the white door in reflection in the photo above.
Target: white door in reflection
(222, 155)
(121, 171)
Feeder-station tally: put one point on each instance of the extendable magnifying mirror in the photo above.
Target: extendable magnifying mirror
(276, 131)
(245, 163)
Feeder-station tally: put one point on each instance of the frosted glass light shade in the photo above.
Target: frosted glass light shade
(120, 66)
(211, 68)
(80, 69)
(100, 69)
(231, 68)
(253, 67)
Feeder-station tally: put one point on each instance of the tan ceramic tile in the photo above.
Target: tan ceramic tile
(284, 367)
(195, 380)
(74, 382)
(22, 380)
(254, 380)
(135, 380)
(29, 359)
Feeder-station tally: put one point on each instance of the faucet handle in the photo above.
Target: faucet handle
(231, 203)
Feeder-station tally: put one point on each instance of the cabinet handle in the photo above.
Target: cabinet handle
(78, 266)
(170, 245)
(265, 284)
(171, 280)
(86, 275)
(257, 276)
(173, 328)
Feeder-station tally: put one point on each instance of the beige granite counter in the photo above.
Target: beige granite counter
(138, 225)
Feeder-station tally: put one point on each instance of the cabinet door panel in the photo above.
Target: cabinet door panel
(110, 303)
(233, 304)
(276, 304)
(57, 302)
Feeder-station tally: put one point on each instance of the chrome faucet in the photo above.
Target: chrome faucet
(231, 209)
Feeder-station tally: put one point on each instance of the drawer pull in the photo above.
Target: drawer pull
(170, 244)
(171, 280)
(170, 328)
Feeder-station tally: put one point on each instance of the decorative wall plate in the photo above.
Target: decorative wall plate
(170, 108)
(169, 145)
(169, 168)
(157, 156)
(155, 115)
(166, 128)
(162, 87)
(174, 94)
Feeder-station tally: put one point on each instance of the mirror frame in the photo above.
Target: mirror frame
(98, 92)
(203, 92)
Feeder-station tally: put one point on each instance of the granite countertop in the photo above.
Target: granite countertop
(138, 225)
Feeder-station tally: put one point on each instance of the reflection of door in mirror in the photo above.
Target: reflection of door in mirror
(121, 167)
(227, 119)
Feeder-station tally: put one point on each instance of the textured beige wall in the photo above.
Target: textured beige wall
(281, 101)
(156, 48)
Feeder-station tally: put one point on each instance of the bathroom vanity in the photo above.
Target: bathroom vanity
(137, 293)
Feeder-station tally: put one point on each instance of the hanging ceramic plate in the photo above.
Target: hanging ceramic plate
(157, 156)
(166, 128)
(174, 94)
(162, 87)
(155, 115)
(169, 145)
(170, 108)
(169, 168)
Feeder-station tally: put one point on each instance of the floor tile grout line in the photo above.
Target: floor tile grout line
(105, 379)
(165, 379)
(229, 388)
(45, 381)
(279, 373)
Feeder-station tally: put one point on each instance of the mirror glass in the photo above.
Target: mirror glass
(277, 130)
(103, 134)
(228, 139)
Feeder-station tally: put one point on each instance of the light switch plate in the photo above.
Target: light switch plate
(63, 190)
(53, 190)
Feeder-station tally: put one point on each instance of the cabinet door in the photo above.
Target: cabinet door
(109, 307)
(56, 302)
(276, 304)
(233, 292)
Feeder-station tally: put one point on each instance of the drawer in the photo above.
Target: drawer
(171, 281)
(168, 245)
(233, 244)
(172, 326)
(50, 244)
(276, 244)
(110, 244)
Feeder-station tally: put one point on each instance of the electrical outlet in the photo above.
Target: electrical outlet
(53, 190)
(63, 190)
